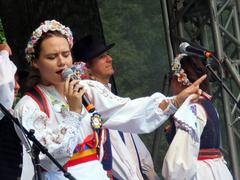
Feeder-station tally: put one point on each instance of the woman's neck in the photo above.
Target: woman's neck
(60, 90)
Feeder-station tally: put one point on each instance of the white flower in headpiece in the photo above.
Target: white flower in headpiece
(178, 71)
(43, 28)
(37, 33)
(48, 25)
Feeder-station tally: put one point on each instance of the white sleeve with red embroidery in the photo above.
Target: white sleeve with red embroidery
(141, 115)
(59, 134)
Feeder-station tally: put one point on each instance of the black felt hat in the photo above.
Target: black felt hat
(89, 48)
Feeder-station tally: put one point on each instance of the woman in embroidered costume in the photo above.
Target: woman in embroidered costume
(60, 121)
(194, 132)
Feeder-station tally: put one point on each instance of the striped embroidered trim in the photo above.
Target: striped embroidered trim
(82, 157)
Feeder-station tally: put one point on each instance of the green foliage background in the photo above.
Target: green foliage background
(140, 56)
(2, 34)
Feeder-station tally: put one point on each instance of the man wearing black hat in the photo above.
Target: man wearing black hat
(130, 157)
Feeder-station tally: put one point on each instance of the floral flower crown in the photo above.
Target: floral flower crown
(178, 71)
(48, 25)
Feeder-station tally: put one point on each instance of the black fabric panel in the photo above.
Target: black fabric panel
(10, 151)
(20, 18)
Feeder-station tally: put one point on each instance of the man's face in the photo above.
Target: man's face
(101, 66)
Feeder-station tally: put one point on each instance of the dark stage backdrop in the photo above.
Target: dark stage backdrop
(21, 17)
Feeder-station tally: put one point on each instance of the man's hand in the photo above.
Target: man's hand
(193, 89)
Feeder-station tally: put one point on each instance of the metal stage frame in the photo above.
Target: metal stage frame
(213, 25)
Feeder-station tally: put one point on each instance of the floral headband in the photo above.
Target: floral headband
(178, 71)
(48, 25)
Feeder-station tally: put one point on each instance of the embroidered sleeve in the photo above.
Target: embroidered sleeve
(171, 108)
(191, 117)
(181, 157)
(141, 115)
(59, 136)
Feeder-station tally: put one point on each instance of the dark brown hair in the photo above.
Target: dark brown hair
(194, 67)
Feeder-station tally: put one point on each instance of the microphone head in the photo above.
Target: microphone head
(183, 46)
(66, 72)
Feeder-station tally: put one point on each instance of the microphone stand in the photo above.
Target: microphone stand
(36, 143)
(208, 66)
(35, 159)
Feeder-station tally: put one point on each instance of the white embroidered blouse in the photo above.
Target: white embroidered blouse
(60, 132)
(64, 129)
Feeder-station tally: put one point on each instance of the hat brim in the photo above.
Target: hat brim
(98, 53)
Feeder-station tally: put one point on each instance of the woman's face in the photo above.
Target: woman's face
(54, 57)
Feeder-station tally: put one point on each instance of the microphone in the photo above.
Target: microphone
(86, 102)
(186, 48)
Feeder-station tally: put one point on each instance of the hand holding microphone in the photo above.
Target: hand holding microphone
(75, 92)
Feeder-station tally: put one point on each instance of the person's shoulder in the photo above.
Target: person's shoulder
(26, 102)
(4, 56)
(5, 49)
(93, 84)
(4, 53)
